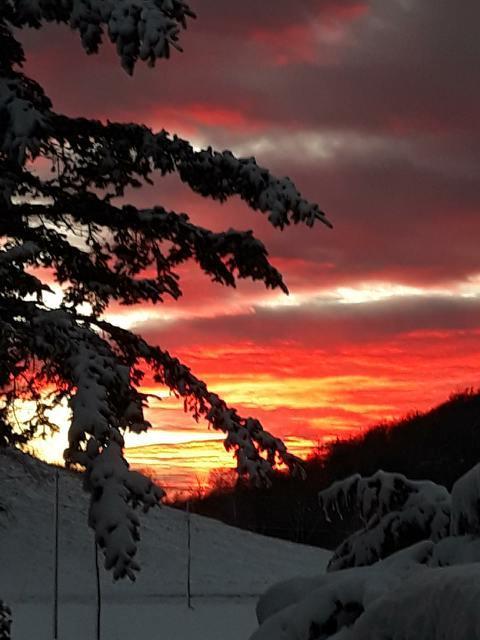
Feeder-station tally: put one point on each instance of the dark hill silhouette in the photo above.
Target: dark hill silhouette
(439, 445)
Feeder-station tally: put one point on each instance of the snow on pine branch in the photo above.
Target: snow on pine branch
(101, 369)
(14, 280)
(256, 450)
(123, 153)
(25, 114)
(131, 241)
(385, 535)
(104, 403)
(19, 253)
(91, 155)
(399, 512)
(116, 491)
(221, 175)
(379, 494)
(140, 29)
(98, 155)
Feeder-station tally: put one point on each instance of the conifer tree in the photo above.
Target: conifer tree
(68, 223)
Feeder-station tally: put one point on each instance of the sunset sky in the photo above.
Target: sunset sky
(373, 109)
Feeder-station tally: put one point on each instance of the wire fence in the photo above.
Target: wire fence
(186, 588)
(99, 604)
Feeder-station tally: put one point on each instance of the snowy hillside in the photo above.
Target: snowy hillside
(228, 568)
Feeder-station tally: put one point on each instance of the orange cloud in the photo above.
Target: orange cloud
(309, 396)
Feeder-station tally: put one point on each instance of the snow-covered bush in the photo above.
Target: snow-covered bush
(425, 591)
(68, 223)
(5, 621)
(397, 512)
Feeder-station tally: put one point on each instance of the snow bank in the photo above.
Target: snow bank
(432, 605)
(429, 590)
(385, 601)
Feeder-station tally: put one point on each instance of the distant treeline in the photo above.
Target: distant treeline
(439, 445)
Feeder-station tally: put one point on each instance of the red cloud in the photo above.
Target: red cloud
(300, 42)
(287, 45)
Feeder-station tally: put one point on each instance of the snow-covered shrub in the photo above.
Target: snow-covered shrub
(397, 512)
(5, 621)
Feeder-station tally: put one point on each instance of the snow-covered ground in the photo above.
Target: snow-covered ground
(229, 567)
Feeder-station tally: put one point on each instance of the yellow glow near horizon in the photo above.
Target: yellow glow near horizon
(296, 392)
(51, 448)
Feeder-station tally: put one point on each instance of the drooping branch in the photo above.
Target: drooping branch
(255, 449)
(378, 494)
(140, 29)
(116, 492)
(121, 243)
(113, 156)
(104, 402)
(118, 155)
(100, 363)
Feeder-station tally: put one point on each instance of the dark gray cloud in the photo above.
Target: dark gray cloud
(401, 65)
(380, 126)
(323, 324)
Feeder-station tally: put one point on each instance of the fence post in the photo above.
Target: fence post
(55, 570)
(189, 557)
(99, 593)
